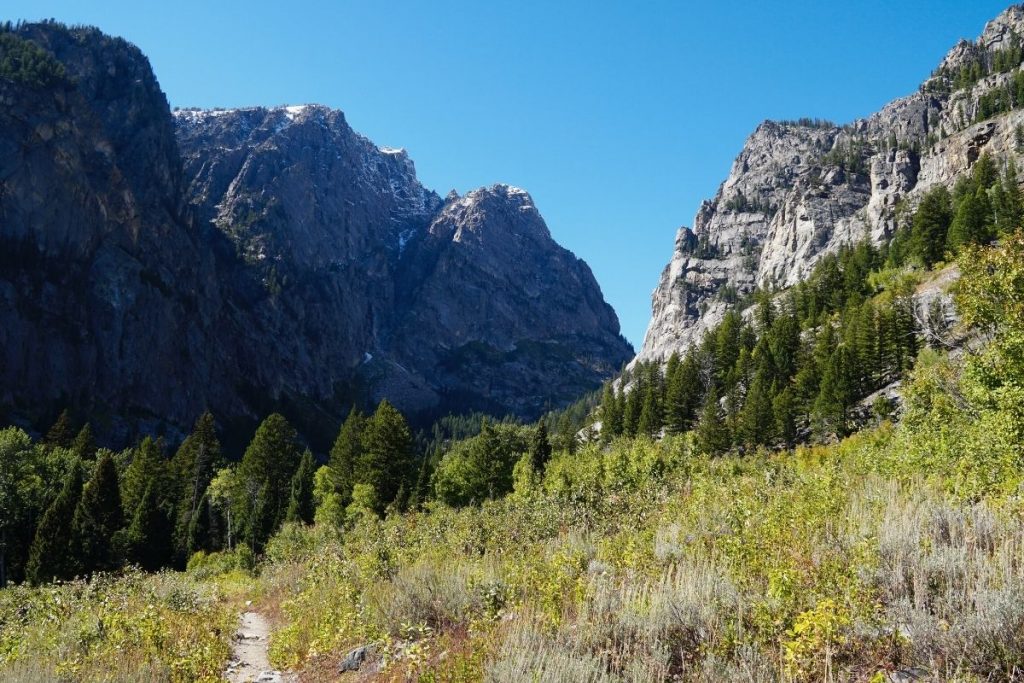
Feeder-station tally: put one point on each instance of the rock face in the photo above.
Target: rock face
(156, 264)
(799, 190)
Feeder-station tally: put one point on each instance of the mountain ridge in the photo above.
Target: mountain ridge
(801, 189)
(257, 259)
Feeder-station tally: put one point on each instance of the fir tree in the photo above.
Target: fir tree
(387, 456)
(84, 445)
(97, 517)
(712, 434)
(147, 467)
(347, 453)
(611, 413)
(51, 556)
(265, 475)
(539, 449)
(193, 466)
(757, 422)
(61, 434)
(300, 505)
(931, 225)
(144, 542)
(202, 531)
(784, 412)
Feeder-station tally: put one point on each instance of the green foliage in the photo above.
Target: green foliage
(52, 554)
(25, 62)
(300, 505)
(97, 517)
(480, 468)
(193, 467)
(387, 462)
(931, 226)
(144, 541)
(347, 454)
(265, 474)
(61, 434)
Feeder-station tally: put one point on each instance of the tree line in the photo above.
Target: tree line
(69, 509)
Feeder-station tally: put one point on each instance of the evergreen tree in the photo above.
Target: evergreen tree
(757, 422)
(931, 225)
(836, 393)
(682, 392)
(263, 518)
(539, 449)
(84, 445)
(633, 408)
(265, 476)
(147, 467)
(649, 423)
(61, 434)
(97, 517)
(347, 453)
(387, 457)
(1009, 202)
(202, 528)
(300, 505)
(611, 413)
(973, 222)
(193, 466)
(51, 556)
(785, 413)
(712, 434)
(144, 542)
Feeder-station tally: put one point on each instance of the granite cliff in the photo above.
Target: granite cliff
(801, 189)
(155, 264)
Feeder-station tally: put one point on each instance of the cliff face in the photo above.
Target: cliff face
(104, 286)
(153, 265)
(799, 190)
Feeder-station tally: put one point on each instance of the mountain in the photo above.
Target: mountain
(156, 264)
(801, 189)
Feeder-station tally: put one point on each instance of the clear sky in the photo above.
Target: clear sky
(618, 117)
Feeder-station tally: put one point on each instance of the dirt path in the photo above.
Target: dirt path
(249, 661)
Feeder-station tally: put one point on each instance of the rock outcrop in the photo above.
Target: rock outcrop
(799, 190)
(153, 265)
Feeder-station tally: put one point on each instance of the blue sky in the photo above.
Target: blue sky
(618, 117)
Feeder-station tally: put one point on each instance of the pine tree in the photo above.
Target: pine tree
(61, 434)
(193, 466)
(148, 466)
(836, 393)
(649, 423)
(973, 222)
(784, 411)
(611, 413)
(97, 517)
(387, 457)
(51, 556)
(539, 449)
(300, 505)
(265, 475)
(84, 446)
(144, 542)
(347, 453)
(931, 225)
(633, 408)
(712, 435)
(262, 518)
(202, 531)
(1009, 205)
(756, 421)
(682, 392)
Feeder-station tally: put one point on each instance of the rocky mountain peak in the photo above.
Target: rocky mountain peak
(262, 258)
(799, 190)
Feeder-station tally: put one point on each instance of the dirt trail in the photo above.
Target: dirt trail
(249, 660)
